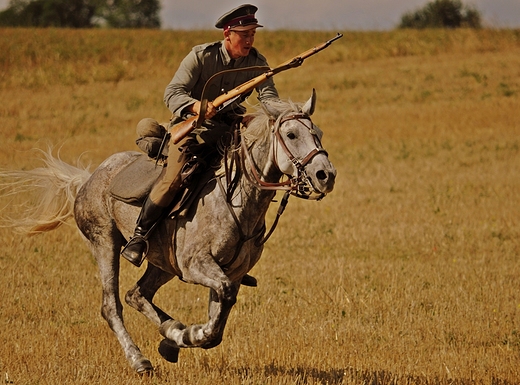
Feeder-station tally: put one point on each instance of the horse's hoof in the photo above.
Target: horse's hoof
(143, 366)
(169, 351)
(249, 280)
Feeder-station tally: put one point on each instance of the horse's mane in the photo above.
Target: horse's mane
(259, 126)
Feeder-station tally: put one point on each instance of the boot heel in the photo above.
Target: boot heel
(135, 251)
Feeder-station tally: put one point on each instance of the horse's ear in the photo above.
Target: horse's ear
(310, 105)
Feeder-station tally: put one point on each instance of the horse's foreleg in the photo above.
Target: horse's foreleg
(206, 335)
(223, 294)
(112, 309)
(218, 312)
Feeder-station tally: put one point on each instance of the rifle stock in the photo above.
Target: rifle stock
(180, 130)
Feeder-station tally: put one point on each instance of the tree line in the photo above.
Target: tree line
(82, 13)
(145, 14)
(442, 14)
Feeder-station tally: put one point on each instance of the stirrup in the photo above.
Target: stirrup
(135, 250)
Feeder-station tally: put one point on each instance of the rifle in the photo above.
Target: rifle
(180, 130)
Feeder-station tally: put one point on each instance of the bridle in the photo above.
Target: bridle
(298, 185)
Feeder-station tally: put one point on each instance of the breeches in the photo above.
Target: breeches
(212, 135)
(169, 181)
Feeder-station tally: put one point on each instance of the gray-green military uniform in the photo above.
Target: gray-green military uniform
(194, 71)
(184, 90)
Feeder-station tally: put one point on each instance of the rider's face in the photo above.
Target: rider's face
(239, 43)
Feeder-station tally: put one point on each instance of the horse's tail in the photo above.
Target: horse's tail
(47, 194)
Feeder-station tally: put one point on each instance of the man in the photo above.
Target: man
(183, 98)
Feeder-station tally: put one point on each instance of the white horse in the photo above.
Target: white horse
(214, 244)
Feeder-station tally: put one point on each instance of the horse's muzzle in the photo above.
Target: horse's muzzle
(321, 174)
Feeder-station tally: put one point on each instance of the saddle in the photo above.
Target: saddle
(135, 181)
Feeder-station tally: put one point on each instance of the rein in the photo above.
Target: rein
(297, 186)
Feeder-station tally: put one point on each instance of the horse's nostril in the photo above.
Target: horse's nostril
(321, 175)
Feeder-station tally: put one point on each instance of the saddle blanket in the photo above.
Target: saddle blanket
(133, 184)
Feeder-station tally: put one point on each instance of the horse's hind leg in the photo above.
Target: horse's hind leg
(112, 309)
(140, 298)
(141, 295)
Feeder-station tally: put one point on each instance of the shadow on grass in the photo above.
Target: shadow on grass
(337, 376)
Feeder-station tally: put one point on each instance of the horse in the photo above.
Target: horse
(214, 244)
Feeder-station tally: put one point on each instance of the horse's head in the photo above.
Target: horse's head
(298, 152)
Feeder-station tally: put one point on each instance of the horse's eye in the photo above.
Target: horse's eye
(291, 135)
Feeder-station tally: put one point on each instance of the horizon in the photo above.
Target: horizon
(327, 15)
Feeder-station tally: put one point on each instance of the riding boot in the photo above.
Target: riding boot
(136, 249)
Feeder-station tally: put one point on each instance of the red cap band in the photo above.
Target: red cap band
(240, 21)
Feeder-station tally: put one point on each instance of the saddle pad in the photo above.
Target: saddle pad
(134, 182)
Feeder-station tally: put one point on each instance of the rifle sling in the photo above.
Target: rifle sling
(204, 97)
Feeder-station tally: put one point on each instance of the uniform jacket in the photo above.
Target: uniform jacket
(203, 62)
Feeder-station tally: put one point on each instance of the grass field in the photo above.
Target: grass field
(408, 273)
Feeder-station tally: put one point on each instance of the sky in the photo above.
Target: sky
(333, 15)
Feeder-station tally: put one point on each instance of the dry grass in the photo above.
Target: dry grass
(407, 273)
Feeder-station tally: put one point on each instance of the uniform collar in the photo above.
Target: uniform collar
(225, 54)
(226, 59)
